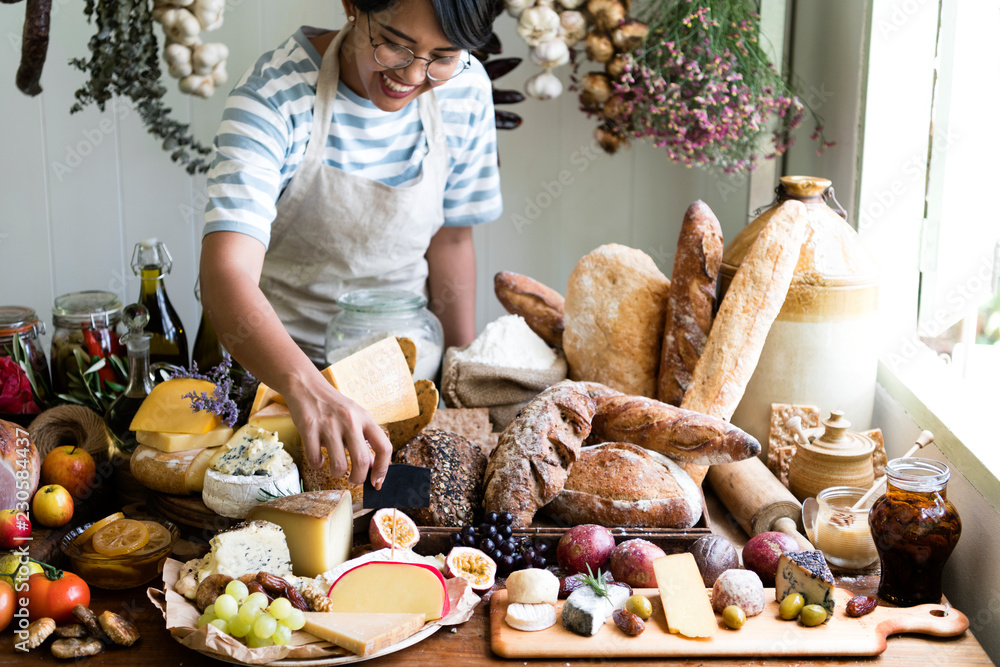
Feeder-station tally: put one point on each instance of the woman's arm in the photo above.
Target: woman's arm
(451, 261)
(248, 327)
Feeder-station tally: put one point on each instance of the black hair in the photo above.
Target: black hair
(467, 24)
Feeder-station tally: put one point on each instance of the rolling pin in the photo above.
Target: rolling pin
(757, 500)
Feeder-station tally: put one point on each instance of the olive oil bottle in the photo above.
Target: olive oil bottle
(208, 351)
(152, 262)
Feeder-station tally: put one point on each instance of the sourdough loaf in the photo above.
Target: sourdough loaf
(619, 484)
(532, 459)
(541, 306)
(691, 301)
(615, 309)
(457, 468)
(682, 435)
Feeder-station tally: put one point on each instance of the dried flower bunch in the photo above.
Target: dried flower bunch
(700, 87)
(231, 396)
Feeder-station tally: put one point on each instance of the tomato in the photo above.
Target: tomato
(7, 604)
(54, 593)
(52, 505)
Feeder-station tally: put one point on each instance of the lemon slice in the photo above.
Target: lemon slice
(121, 537)
(84, 537)
(159, 537)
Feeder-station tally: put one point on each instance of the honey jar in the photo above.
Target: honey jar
(838, 457)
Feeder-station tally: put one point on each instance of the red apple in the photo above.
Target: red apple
(70, 467)
(762, 552)
(15, 528)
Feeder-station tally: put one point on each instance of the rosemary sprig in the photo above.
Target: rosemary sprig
(263, 495)
(596, 582)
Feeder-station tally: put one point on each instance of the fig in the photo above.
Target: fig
(761, 554)
(632, 563)
(472, 565)
(714, 554)
(585, 545)
(388, 526)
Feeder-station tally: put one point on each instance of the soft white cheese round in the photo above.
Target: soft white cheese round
(233, 495)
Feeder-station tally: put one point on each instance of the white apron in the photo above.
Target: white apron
(336, 232)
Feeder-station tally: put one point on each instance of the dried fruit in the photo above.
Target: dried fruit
(628, 622)
(76, 648)
(859, 605)
(121, 537)
(210, 588)
(389, 526)
(38, 632)
(73, 630)
(119, 629)
(89, 620)
(472, 565)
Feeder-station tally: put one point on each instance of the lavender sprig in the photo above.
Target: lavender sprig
(221, 402)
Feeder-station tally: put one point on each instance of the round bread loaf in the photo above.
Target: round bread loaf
(616, 303)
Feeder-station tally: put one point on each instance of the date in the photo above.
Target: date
(859, 605)
(628, 622)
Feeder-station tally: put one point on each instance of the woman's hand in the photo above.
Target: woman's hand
(249, 328)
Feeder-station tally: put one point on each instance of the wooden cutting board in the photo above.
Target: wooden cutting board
(763, 635)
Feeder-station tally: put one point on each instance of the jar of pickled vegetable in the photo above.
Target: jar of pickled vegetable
(24, 373)
(915, 530)
(85, 332)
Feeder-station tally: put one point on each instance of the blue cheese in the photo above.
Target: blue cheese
(586, 610)
(252, 451)
(805, 573)
(250, 547)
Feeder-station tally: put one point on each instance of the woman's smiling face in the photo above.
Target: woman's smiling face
(409, 23)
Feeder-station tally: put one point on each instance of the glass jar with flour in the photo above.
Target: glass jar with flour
(369, 315)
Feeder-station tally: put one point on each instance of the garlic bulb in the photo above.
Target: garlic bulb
(599, 47)
(550, 53)
(571, 4)
(574, 26)
(629, 35)
(197, 84)
(538, 24)
(608, 14)
(208, 56)
(608, 139)
(515, 7)
(178, 59)
(544, 86)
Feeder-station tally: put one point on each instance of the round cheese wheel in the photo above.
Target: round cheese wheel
(233, 495)
(171, 472)
(532, 586)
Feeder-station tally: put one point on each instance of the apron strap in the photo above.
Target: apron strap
(326, 94)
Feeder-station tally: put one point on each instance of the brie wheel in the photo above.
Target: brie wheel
(234, 495)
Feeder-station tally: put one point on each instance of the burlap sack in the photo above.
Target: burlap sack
(468, 384)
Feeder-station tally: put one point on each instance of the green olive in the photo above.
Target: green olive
(791, 606)
(812, 615)
(640, 606)
(734, 617)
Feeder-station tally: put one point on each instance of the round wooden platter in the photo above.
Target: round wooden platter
(189, 511)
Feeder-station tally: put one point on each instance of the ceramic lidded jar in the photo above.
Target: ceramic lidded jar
(823, 347)
(838, 457)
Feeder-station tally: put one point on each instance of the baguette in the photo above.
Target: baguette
(745, 316)
(541, 306)
(682, 435)
(532, 459)
(691, 301)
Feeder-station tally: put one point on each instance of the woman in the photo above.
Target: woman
(349, 159)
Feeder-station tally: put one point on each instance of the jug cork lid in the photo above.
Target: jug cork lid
(805, 186)
(836, 435)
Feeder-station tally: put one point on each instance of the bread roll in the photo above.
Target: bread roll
(748, 309)
(691, 301)
(615, 309)
(532, 459)
(681, 435)
(541, 306)
(619, 484)
(457, 468)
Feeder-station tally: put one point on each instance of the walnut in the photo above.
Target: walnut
(317, 600)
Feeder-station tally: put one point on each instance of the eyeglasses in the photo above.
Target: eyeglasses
(396, 56)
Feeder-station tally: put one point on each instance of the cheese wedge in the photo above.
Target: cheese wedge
(248, 548)
(318, 525)
(171, 472)
(264, 397)
(384, 586)
(378, 378)
(362, 634)
(806, 573)
(166, 409)
(278, 418)
(685, 600)
(181, 442)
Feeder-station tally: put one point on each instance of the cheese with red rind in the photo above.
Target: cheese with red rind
(391, 587)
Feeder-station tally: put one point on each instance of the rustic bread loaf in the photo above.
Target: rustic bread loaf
(682, 435)
(457, 468)
(745, 316)
(691, 301)
(541, 306)
(615, 309)
(620, 484)
(535, 452)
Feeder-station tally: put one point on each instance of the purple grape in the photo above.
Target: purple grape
(507, 561)
(506, 548)
(496, 555)
(540, 561)
(469, 540)
(469, 530)
(487, 545)
(506, 518)
(488, 530)
(529, 555)
(491, 518)
(505, 531)
(518, 561)
(456, 538)
(541, 547)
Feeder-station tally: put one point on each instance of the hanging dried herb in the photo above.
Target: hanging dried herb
(124, 62)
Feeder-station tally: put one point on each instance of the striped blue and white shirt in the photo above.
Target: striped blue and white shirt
(268, 119)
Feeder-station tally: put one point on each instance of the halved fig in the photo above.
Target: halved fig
(472, 565)
(388, 526)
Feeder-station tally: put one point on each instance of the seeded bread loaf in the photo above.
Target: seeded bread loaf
(534, 454)
(619, 484)
(457, 468)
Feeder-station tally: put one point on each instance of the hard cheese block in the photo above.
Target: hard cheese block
(682, 592)
(179, 473)
(250, 547)
(264, 397)
(277, 417)
(318, 525)
(806, 573)
(182, 442)
(383, 586)
(166, 409)
(378, 379)
(362, 634)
